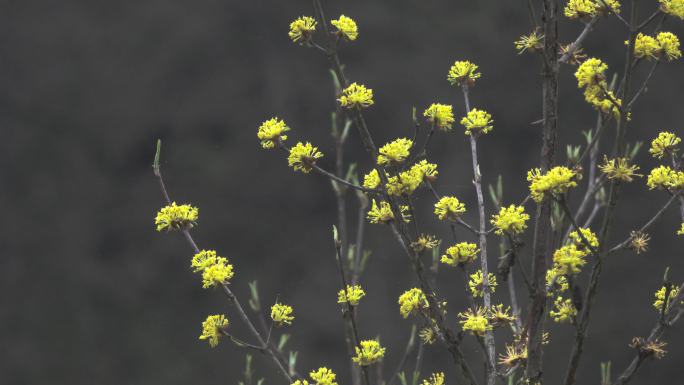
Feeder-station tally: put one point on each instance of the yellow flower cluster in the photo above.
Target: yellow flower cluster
(583, 237)
(586, 9)
(440, 115)
(673, 7)
(372, 180)
(556, 282)
(213, 328)
(369, 353)
(346, 27)
(477, 122)
(356, 96)
(303, 157)
(476, 283)
(511, 220)
(556, 181)
(425, 242)
(271, 133)
(427, 335)
(215, 270)
(591, 74)
(302, 29)
(395, 152)
(463, 73)
(434, 379)
(449, 208)
(282, 314)
(500, 316)
(665, 178)
(665, 144)
(681, 230)
(660, 297)
(564, 310)
(475, 322)
(648, 47)
(352, 294)
(382, 213)
(174, 217)
(460, 254)
(407, 181)
(570, 258)
(323, 376)
(619, 169)
(531, 43)
(412, 301)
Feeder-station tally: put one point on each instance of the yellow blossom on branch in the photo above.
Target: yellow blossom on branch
(217, 273)
(673, 7)
(346, 27)
(681, 230)
(534, 42)
(303, 157)
(645, 47)
(477, 122)
(271, 133)
(213, 328)
(460, 253)
(175, 217)
(556, 282)
(569, 259)
(463, 72)
(556, 181)
(669, 44)
(665, 144)
(302, 29)
(477, 283)
(665, 178)
(395, 152)
(475, 322)
(564, 310)
(412, 301)
(372, 180)
(511, 220)
(434, 379)
(382, 213)
(619, 169)
(591, 73)
(440, 115)
(323, 376)
(281, 314)
(368, 353)
(660, 301)
(449, 208)
(356, 96)
(353, 295)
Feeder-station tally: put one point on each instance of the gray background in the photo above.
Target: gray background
(89, 292)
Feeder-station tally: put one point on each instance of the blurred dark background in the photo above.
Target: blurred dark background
(89, 292)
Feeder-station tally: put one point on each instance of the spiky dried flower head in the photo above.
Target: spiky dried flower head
(646, 348)
(425, 242)
(533, 43)
(638, 241)
(619, 169)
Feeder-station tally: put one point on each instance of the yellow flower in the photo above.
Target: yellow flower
(282, 314)
(477, 286)
(619, 169)
(405, 183)
(434, 379)
(412, 301)
(604, 100)
(475, 322)
(663, 177)
(638, 241)
(382, 213)
(564, 311)
(303, 157)
(511, 220)
(271, 133)
(203, 260)
(353, 294)
(460, 253)
(425, 171)
(441, 115)
(673, 7)
(513, 356)
(477, 122)
(591, 73)
(669, 43)
(425, 242)
(660, 297)
(427, 335)
(500, 316)
(371, 180)
(569, 259)
(356, 96)
(346, 27)
(588, 236)
(217, 274)
(463, 72)
(395, 152)
(556, 181)
(174, 217)
(449, 208)
(580, 9)
(534, 42)
(369, 353)
(323, 376)
(645, 47)
(665, 144)
(213, 328)
(681, 231)
(556, 282)
(302, 29)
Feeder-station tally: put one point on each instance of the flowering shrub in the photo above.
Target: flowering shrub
(570, 242)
